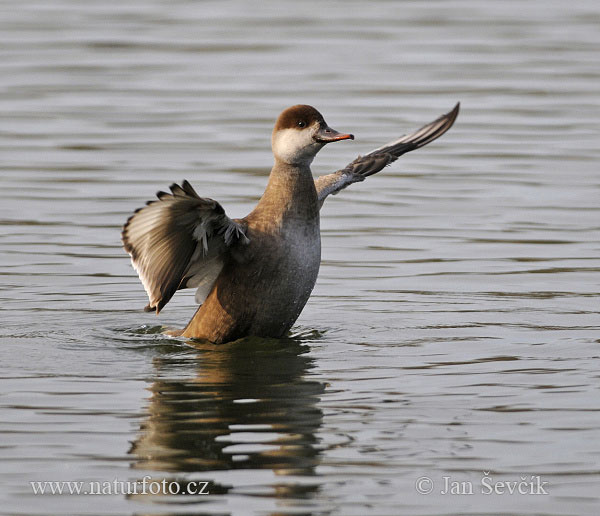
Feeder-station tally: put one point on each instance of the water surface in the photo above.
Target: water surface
(454, 329)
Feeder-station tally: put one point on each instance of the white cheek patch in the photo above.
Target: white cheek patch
(295, 145)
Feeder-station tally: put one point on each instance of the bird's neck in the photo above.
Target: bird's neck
(290, 196)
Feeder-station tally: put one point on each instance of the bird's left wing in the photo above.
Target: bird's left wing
(374, 161)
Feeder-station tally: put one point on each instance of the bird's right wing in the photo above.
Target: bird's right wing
(179, 241)
(376, 160)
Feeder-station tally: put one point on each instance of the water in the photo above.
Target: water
(454, 328)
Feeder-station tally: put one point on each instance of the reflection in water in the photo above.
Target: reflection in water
(244, 405)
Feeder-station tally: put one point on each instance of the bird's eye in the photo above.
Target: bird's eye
(301, 123)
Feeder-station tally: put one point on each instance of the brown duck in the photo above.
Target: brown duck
(253, 275)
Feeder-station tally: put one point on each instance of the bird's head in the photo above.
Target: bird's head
(300, 132)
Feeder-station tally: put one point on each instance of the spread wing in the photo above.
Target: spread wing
(179, 241)
(374, 161)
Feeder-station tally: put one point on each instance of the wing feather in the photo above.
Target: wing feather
(179, 241)
(371, 163)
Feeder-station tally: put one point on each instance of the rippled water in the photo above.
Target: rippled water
(454, 330)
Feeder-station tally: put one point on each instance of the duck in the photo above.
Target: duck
(254, 275)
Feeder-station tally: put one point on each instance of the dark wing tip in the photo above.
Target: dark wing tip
(437, 128)
(427, 133)
(125, 235)
(177, 190)
(421, 137)
(150, 308)
(185, 190)
(449, 118)
(452, 115)
(189, 189)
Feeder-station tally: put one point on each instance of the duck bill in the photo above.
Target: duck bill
(327, 135)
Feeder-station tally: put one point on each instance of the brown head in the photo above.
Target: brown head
(300, 132)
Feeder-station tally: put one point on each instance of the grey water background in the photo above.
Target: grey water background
(454, 329)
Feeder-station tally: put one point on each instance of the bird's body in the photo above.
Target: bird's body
(254, 275)
(266, 283)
